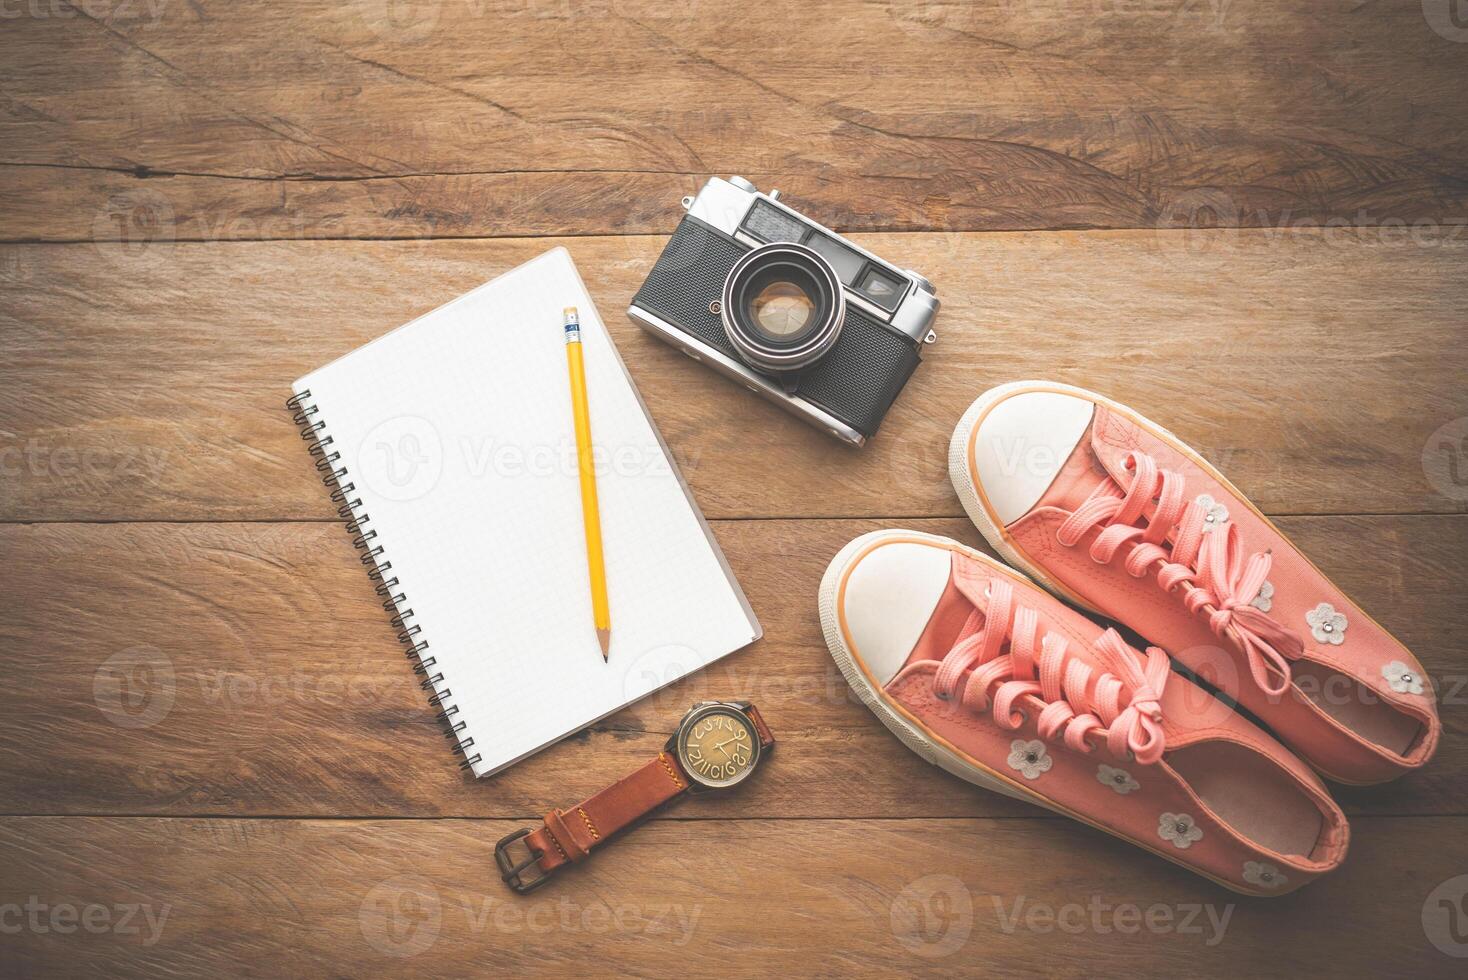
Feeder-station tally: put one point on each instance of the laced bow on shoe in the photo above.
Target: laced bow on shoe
(1119, 704)
(1206, 567)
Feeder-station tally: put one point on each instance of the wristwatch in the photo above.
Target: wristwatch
(717, 746)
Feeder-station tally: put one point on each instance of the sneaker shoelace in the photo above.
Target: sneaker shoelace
(997, 649)
(1201, 562)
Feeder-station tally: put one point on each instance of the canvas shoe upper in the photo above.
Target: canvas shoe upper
(990, 677)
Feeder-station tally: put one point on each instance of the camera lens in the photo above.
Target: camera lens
(782, 309)
(782, 306)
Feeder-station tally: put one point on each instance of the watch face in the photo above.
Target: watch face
(718, 746)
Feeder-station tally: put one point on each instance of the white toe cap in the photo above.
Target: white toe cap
(890, 596)
(1021, 445)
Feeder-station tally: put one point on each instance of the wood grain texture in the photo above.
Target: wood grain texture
(515, 117)
(1311, 367)
(842, 898)
(247, 669)
(214, 759)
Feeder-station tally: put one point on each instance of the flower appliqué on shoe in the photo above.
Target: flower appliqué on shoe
(1265, 599)
(1118, 779)
(1327, 625)
(1401, 678)
(1029, 757)
(1263, 874)
(1180, 829)
(1215, 515)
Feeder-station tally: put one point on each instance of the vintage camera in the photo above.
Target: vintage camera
(788, 308)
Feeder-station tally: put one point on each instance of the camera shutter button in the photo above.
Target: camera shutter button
(742, 184)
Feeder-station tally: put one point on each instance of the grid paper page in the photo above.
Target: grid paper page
(457, 435)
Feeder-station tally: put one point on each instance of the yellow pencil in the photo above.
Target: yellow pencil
(586, 465)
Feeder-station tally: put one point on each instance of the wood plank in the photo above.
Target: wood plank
(560, 116)
(248, 669)
(848, 898)
(1312, 367)
(234, 769)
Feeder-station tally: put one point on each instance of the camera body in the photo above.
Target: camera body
(788, 308)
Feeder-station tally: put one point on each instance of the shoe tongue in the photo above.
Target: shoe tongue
(971, 579)
(1077, 479)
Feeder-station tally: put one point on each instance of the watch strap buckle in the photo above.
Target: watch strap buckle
(513, 872)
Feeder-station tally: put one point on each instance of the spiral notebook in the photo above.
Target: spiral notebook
(448, 444)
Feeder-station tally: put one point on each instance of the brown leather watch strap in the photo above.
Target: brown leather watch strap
(760, 728)
(570, 835)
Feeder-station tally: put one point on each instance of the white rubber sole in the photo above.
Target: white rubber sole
(908, 730)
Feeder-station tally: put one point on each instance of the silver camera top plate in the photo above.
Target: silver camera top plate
(724, 204)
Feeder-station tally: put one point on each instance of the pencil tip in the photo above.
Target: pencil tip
(604, 636)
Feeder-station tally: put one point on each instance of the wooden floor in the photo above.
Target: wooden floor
(1248, 219)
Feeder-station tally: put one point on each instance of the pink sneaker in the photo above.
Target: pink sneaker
(1116, 514)
(981, 672)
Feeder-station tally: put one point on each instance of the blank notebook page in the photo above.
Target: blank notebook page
(456, 434)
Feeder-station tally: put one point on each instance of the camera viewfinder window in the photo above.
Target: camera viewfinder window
(845, 261)
(772, 225)
(881, 288)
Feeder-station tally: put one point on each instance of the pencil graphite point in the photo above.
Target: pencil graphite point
(604, 637)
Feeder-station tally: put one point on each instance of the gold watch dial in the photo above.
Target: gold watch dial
(718, 747)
